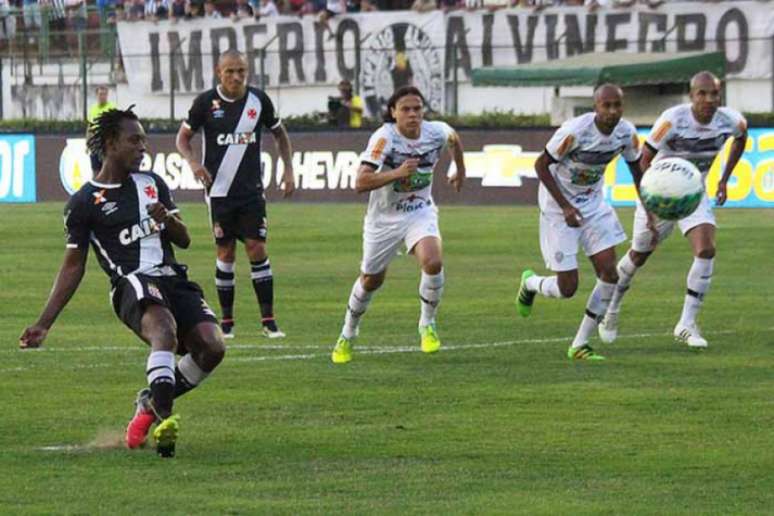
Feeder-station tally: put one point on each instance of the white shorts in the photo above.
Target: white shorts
(382, 243)
(642, 238)
(559, 242)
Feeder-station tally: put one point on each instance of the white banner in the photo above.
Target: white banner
(387, 49)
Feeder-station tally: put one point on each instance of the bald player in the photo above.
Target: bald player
(695, 131)
(231, 116)
(573, 211)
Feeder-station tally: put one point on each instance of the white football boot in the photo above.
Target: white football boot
(690, 335)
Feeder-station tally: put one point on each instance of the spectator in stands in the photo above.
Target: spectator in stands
(423, 6)
(195, 9)
(31, 14)
(156, 10)
(136, 10)
(268, 8)
(448, 5)
(242, 9)
(7, 21)
(178, 10)
(210, 11)
(332, 8)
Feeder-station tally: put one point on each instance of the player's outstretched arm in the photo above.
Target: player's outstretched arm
(65, 285)
(737, 149)
(367, 178)
(458, 155)
(572, 215)
(184, 147)
(285, 149)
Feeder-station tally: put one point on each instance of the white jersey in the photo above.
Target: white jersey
(581, 153)
(393, 202)
(677, 133)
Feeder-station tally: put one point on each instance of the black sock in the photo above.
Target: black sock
(263, 284)
(162, 394)
(181, 384)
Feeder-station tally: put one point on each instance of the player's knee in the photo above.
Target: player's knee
(609, 275)
(568, 285)
(226, 254)
(433, 266)
(638, 258)
(213, 352)
(707, 252)
(256, 249)
(372, 281)
(163, 338)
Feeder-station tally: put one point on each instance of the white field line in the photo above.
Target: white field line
(365, 350)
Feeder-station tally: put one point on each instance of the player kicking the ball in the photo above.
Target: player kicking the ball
(573, 210)
(397, 168)
(130, 220)
(695, 132)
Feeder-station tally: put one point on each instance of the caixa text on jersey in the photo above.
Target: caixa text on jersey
(236, 138)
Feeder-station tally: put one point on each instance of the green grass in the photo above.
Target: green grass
(498, 422)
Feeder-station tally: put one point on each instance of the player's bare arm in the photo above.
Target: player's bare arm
(285, 149)
(737, 149)
(572, 216)
(183, 144)
(648, 153)
(458, 155)
(367, 178)
(174, 227)
(65, 285)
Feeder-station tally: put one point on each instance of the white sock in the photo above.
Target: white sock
(595, 310)
(430, 290)
(160, 367)
(356, 307)
(699, 278)
(190, 371)
(626, 271)
(547, 286)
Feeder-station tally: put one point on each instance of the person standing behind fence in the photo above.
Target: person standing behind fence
(102, 105)
(230, 117)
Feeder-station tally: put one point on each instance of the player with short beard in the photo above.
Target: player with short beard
(230, 117)
(131, 222)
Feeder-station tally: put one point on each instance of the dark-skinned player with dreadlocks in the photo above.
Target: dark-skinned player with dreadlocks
(131, 221)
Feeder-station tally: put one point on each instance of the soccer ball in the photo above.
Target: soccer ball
(671, 188)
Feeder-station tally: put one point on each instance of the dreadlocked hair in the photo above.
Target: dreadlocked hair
(106, 127)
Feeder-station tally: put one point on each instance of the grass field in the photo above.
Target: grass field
(497, 422)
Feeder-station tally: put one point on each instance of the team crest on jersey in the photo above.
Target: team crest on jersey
(154, 291)
(99, 197)
(252, 113)
(150, 191)
(217, 112)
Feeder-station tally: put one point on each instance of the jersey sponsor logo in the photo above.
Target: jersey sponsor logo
(236, 138)
(146, 227)
(216, 110)
(412, 203)
(154, 291)
(661, 131)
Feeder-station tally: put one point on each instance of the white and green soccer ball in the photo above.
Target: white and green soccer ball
(672, 188)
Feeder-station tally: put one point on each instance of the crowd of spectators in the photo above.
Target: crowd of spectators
(64, 15)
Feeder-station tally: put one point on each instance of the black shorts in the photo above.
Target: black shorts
(237, 218)
(185, 299)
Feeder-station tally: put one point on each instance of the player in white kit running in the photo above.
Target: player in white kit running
(397, 168)
(573, 210)
(695, 131)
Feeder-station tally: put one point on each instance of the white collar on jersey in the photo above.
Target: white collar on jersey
(105, 185)
(228, 99)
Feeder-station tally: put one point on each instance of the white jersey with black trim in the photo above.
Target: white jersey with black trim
(388, 149)
(677, 133)
(581, 153)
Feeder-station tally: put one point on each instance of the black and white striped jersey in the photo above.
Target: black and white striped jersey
(232, 139)
(114, 219)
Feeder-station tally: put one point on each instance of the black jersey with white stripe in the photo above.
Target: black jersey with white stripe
(114, 219)
(232, 139)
